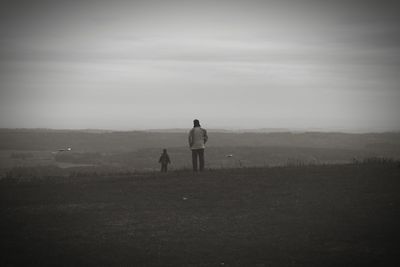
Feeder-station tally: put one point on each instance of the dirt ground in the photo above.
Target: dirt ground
(342, 215)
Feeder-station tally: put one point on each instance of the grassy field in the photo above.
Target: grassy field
(339, 215)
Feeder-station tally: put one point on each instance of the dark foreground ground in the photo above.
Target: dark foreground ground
(344, 215)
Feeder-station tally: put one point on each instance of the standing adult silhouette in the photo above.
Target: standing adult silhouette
(197, 140)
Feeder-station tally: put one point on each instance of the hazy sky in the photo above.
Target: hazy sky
(231, 64)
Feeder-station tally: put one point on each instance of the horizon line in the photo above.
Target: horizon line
(228, 130)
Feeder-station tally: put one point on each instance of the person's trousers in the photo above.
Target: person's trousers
(164, 167)
(198, 154)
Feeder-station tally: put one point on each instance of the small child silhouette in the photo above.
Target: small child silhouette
(164, 160)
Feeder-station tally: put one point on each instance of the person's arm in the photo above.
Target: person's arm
(205, 135)
(168, 160)
(190, 138)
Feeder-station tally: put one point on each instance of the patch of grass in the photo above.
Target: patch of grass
(376, 160)
(334, 215)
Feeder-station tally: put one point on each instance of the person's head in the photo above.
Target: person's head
(196, 123)
(164, 150)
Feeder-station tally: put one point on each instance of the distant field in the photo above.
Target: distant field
(110, 152)
(338, 215)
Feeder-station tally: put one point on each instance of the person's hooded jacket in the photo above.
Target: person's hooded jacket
(197, 138)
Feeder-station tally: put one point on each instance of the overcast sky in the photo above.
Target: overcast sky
(301, 64)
